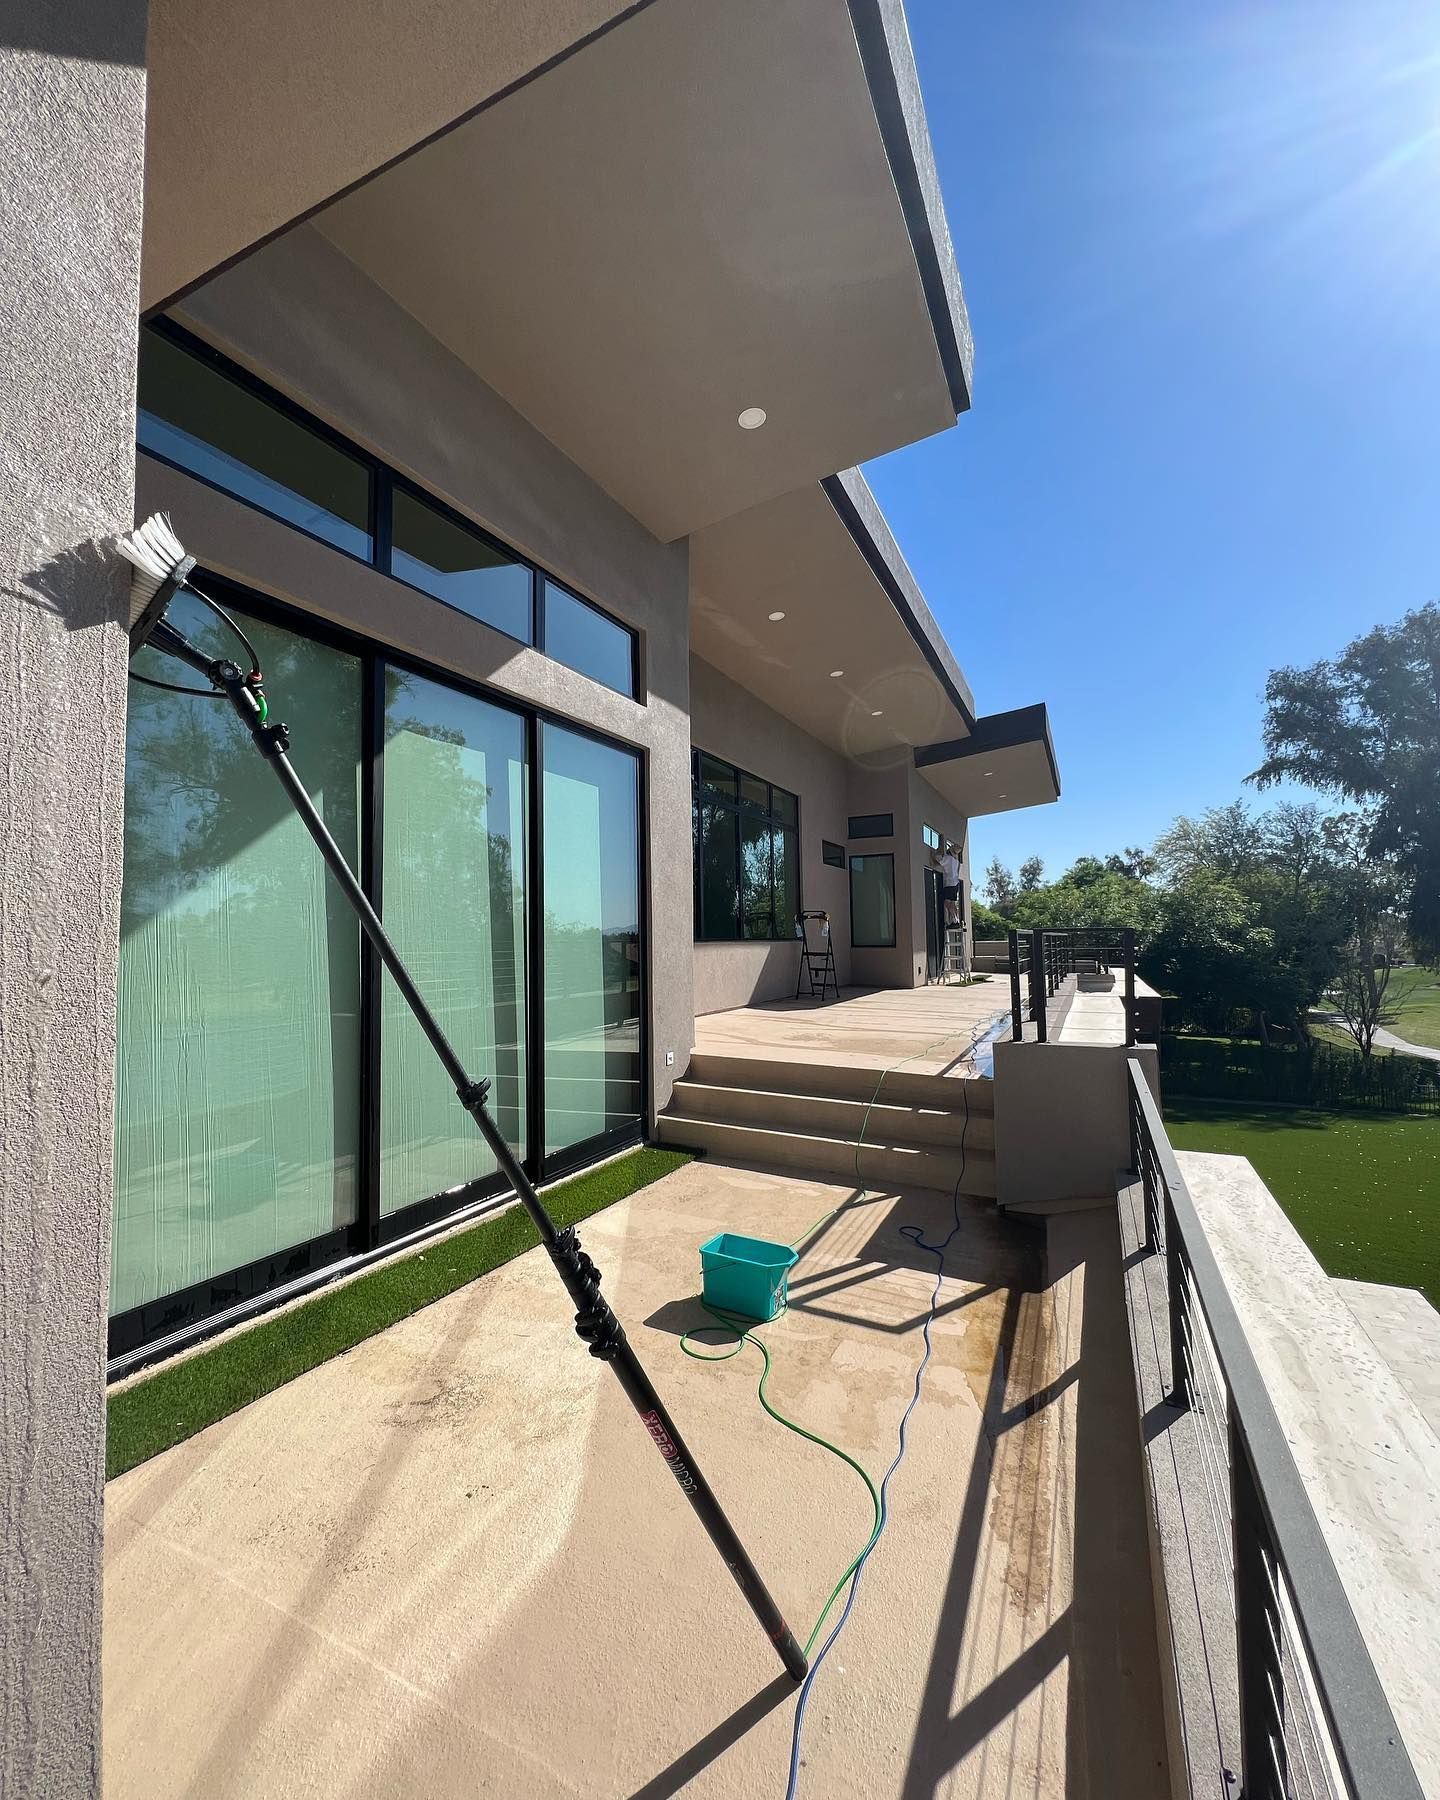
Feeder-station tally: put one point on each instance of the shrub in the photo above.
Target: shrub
(1315, 1074)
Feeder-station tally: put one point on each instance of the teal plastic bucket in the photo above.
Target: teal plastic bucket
(746, 1275)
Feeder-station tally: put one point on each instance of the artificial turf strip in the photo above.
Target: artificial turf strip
(1362, 1188)
(185, 1397)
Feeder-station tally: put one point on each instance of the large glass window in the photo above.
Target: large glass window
(238, 1091)
(453, 899)
(593, 972)
(205, 415)
(193, 413)
(582, 638)
(275, 1108)
(872, 902)
(747, 853)
(432, 550)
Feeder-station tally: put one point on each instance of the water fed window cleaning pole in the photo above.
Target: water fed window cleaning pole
(162, 569)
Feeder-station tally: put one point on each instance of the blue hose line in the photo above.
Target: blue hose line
(913, 1233)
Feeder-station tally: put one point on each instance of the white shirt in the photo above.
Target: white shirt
(950, 869)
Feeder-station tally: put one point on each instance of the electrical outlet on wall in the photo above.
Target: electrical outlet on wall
(669, 1059)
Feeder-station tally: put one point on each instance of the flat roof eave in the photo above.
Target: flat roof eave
(702, 212)
(1006, 762)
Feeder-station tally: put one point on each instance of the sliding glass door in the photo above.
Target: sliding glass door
(238, 1070)
(592, 946)
(453, 851)
(278, 1107)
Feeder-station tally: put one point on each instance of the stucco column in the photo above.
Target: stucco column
(72, 122)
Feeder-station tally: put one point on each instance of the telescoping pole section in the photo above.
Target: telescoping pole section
(595, 1321)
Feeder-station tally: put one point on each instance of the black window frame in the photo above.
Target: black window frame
(871, 825)
(540, 602)
(832, 854)
(740, 810)
(879, 943)
(930, 837)
(156, 1328)
(384, 480)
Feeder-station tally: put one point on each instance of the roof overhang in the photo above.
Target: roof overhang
(825, 558)
(1006, 762)
(703, 210)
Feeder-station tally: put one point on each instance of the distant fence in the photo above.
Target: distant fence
(1319, 1074)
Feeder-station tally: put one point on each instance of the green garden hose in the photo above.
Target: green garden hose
(742, 1330)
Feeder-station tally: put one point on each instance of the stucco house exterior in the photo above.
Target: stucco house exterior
(508, 371)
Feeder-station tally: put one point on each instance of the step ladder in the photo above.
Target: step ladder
(956, 961)
(817, 955)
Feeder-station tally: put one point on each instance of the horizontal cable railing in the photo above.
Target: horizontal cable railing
(1043, 963)
(1314, 1719)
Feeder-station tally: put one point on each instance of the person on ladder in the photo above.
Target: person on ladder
(955, 961)
(948, 863)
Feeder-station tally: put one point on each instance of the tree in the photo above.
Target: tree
(1084, 872)
(1294, 840)
(1228, 841)
(1134, 862)
(986, 925)
(1362, 996)
(1032, 874)
(1367, 727)
(1108, 900)
(1000, 888)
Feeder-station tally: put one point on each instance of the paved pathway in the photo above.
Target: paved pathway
(1387, 1040)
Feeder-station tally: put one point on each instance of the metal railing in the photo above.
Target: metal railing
(1314, 1719)
(1044, 962)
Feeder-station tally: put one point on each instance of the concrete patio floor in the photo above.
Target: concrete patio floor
(450, 1563)
(929, 1029)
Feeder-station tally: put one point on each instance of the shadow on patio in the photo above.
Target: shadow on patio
(449, 1563)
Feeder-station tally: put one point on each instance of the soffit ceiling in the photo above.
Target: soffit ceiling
(795, 555)
(1007, 763)
(691, 216)
(258, 112)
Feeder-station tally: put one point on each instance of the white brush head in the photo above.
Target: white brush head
(160, 566)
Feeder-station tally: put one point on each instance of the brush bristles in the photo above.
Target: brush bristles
(156, 554)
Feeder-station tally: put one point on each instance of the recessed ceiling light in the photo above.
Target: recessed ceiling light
(1004, 796)
(877, 714)
(987, 773)
(836, 673)
(752, 418)
(776, 617)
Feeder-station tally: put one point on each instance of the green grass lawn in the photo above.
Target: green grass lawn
(1417, 991)
(1417, 994)
(1362, 1189)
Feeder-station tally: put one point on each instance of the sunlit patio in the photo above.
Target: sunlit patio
(449, 1563)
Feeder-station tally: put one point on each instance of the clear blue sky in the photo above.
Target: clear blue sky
(1201, 253)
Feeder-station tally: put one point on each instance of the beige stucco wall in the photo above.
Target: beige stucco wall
(928, 808)
(302, 316)
(895, 786)
(1062, 1119)
(72, 119)
(730, 722)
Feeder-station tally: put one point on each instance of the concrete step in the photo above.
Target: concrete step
(940, 1166)
(831, 1117)
(1046, 1209)
(839, 1080)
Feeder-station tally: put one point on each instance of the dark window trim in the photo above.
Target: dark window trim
(542, 581)
(872, 856)
(173, 1321)
(832, 854)
(383, 480)
(871, 825)
(741, 810)
(389, 480)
